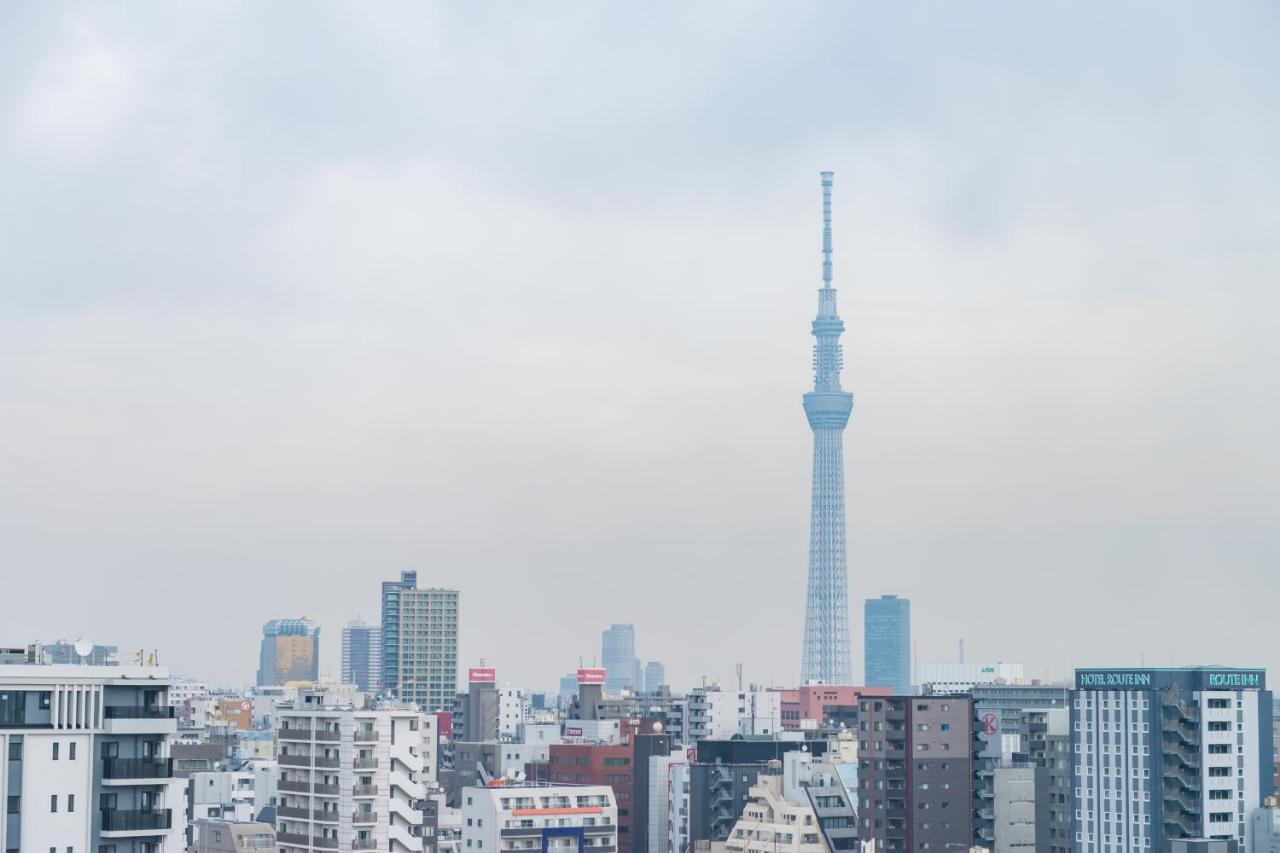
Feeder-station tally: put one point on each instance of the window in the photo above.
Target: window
(15, 749)
(71, 751)
(55, 758)
(53, 802)
(71, 802)
(15, 804)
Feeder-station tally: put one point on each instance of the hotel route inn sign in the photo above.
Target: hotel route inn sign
(1192, 678)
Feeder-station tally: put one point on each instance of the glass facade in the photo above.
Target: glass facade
(887, 651)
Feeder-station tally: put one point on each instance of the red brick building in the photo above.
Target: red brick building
(814, 701)
(599, 764)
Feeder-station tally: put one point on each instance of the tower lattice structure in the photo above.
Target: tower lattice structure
(827, 406)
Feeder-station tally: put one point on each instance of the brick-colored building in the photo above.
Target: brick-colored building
(817, 702)
(624, 767)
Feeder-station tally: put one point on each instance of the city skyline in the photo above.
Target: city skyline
(271, 335)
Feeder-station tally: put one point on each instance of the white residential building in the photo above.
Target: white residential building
(770, 823)
(512, 708)
(559, 818)
(720, 714)
(679, 785)
(659, 793)
(350, 780)
(86, 752)
(221, 795)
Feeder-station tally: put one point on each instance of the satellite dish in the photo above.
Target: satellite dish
(657, 728)
(84, 647)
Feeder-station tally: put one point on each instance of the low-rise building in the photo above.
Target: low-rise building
(225, 836)
(510, 817)
(772, 824)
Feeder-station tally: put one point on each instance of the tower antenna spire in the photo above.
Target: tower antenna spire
(826, 228)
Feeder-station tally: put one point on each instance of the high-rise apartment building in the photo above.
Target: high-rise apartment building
(1166, 754)
(86, 752)
(825, 658)
(618, 655)
(290, 652)
(352, 780)
(420, 643)
(915, 775)
(887, 648)
(362, 656)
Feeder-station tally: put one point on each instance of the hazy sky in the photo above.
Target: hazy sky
(296, 296)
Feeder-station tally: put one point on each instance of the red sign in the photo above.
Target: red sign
(591, 676)
(479, 675)
(246, 705)
(990, 724)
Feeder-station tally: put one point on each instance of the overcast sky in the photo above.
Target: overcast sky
(297, 296)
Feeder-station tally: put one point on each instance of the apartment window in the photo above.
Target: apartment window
(71, 802)
(71, 751)
(55, 757)
(15, 749)
(53, 802)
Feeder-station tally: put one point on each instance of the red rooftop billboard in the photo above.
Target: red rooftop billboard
(591, 676)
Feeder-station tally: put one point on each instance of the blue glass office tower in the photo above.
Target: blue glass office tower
(618, 654)
(827, 406)
(887, 651)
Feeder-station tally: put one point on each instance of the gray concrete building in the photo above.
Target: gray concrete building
(225, 836)
(915, 771)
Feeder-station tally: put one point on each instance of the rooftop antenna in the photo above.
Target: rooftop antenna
(739, 678)
(826, 228)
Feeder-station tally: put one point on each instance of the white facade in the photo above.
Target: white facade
(350, 779)
(963, 677)
(539, 817)
(512, 709)
(659, 793)
(720, 714)
(770, 823)
(679, 784)
(1218, 731)
(1266, 828)
(222, 795)
(86, 755)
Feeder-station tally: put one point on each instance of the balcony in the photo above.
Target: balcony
(366, 737)
(309, 761)
(364, 844)
(131, 771)
(138, 712)
(294, 734)
(364, 817)
(364, 763)
(138, 719)
(293, 838)
(118, 823)
(364, 790)
(317, 789)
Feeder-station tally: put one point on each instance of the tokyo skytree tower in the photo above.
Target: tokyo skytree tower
(826, 615)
